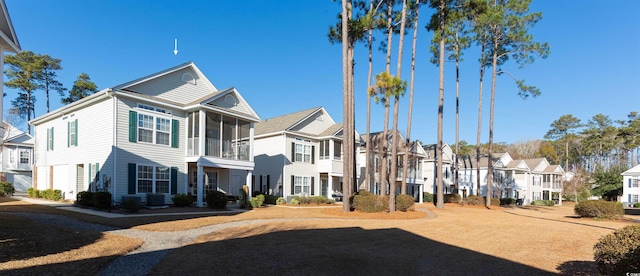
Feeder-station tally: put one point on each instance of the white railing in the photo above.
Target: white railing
(229, 150)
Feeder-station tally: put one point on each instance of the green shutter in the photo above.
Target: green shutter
(68, 134)
(97, 173)
(312, 187)
(90, 177)
(175, 127)
(75, 137)
(293, 181)
(133, 126)
(174, 180)
(52, 138)
(48, 136)
(132, 178)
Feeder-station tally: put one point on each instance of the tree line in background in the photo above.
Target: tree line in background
(29, 73)
(500, 29)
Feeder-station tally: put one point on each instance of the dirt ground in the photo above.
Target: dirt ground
(530, 240)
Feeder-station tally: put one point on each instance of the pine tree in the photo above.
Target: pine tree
(82, 87)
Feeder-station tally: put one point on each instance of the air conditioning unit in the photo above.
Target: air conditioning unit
(155, 199)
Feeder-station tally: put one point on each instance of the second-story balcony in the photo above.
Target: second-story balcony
(220, 149)
(224, 136)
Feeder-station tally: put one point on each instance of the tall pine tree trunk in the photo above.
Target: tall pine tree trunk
(440, 191)
(408, 147)
(346, 74)
(482, 67)
(369, 154)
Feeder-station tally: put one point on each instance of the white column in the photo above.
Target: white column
(202, 125)
(200, 185)
(330, 185)
(248, 183)
(421, 194)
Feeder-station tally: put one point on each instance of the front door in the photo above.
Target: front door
(324, 187)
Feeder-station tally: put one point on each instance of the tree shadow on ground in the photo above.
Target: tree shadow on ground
(341, 251)
(563, 221)
(578, 268)
(91, 266)
(22, 238)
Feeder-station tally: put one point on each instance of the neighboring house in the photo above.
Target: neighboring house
(468, 171)
(429, 168)
(299, 154)
(8, 43)
(631, 185)
(17, 158)
(534, 179)
(167, 133)
(415, 171)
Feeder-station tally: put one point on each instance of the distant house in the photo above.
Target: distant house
(631, 185)
(167, 133)
(415, 171)
(17, 158)
(468, 172)
(299, 154)
(430, 165)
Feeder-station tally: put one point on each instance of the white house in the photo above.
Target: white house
(166, 133)
(631, 185)
(468, 172)
(415, 171)
(299, 154)
(17, 158)
(430, 166)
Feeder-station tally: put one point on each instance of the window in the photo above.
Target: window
(72, 133)
(163, 130)
(324, 149)
(634, 183)
(337, 150)
(50, 139)
(633, 198)
(302, 185)
(12, 158)
(302, 153)
(25, 157)
(153, 179)
(153, 108)
(155, 130)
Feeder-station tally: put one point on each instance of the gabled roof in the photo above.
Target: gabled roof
(553, 169)
(534, 164)
(484, 160)
(162, 73)
(401, 146)
(633, 171)
(292, 121)
(13, 135)
(8, 38)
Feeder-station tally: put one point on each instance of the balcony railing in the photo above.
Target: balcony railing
(229, 150)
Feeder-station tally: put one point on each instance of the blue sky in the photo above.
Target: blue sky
(276, 53)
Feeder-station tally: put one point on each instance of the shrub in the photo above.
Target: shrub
(369, 203)
(257, 201)
(599, 209)
(130, 204)
(56, 195)
(495, 201)
(637, 205)
(404, 202)
(7, 188)
(31, 192)
(307, 200)
(102, 200)
(46, 194)
(270, 199)
(452, 198)
(543, 203)
(507, 201)
(427, 197)
(182, 200)
(473, 200)
(216, 200)
(619, 252)
(294, 201)
(281, 201)
(84, 199)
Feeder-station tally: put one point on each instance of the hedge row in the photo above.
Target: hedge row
(599, 209)
(100, 200)
(368, 202)
(50, 194)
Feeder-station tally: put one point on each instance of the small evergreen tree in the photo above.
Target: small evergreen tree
(82, 87)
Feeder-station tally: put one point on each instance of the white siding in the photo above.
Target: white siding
(172, 87)
(238, 107)
(144, 153)
(313, 125)
(270, 158)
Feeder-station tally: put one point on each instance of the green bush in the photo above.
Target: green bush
(281, 201)
(182, 200)
(270, 199)
(257, 201)
(599, 209)
(217, 200)
(294, 201)
(370, 203)
(307, 200)
(102, 200)
(84, 199)
(427, 197)
(6, 188)
(495, 201)
(543, 203)
(507, 201)
(130, 204)
(618, 253)
(46, 194)
(56, 195)
(31, 192)
(473, 200)
(637, 205)
(404, 202)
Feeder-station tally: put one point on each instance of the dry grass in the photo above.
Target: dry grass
(458, 240)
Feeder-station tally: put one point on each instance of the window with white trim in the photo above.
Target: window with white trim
(154, 129)
(163, 131)
(324, 150)
(153, 108)
(25, 157)
(302, 153)
(12, 157)
(337, 150)
(152, 179)
(633, 198)
(634, 183)
(302, 185)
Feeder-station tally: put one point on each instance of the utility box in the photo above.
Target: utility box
(155, 199)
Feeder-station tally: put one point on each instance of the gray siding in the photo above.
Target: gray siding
(172, 87)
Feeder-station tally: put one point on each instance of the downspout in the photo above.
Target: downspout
(114, 144)
(284, 164)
